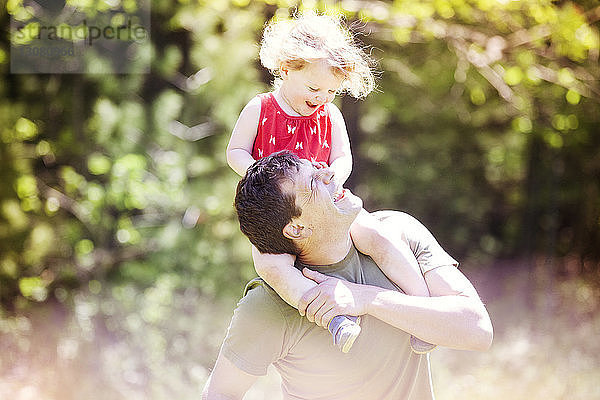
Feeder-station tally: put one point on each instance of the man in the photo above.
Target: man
(286, 203)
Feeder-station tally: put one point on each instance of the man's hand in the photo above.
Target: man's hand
(331, 297)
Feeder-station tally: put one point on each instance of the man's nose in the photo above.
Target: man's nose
(325, 175)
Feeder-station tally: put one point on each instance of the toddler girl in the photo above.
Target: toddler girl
(314, 58)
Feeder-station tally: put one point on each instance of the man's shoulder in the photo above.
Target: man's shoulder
(261, 300)
(259, 290)
(383, 215)
(373, 275)
(401, 221)
(425, 247)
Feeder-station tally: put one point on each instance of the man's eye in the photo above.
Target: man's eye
(312, 89)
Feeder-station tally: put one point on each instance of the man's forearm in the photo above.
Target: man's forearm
(217, 396)
(227, 381)
(453, 317)
(456, 321)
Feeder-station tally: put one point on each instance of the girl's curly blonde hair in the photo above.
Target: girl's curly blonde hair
(296, 42)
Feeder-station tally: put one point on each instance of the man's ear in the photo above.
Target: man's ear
(284, 68)
(296, 231)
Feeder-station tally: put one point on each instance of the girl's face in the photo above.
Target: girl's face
(308, 88)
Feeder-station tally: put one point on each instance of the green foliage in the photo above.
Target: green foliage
(479, 101)
(121, 187)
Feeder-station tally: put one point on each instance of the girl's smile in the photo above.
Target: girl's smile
(307, 89)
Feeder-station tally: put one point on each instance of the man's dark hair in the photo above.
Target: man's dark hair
(263, 209)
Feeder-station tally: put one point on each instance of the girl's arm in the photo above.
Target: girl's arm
(239, 149)
(340, 158)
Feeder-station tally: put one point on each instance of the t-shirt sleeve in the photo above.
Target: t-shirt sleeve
(427, 250)
(255, 335)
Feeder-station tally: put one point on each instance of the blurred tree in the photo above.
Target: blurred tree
(485, 127)
(122, 177)
(480, 127)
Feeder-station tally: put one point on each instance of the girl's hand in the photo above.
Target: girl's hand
(320, 164)
(327, 174)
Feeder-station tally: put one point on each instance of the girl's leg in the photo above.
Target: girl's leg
(279, 272)
(390, 252)
(395, 258)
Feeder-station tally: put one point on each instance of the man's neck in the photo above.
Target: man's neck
(324, 252)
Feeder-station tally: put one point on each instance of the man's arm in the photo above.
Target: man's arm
(453, 317)
(227, 382)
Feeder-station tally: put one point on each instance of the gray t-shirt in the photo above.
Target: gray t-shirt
(265, 330)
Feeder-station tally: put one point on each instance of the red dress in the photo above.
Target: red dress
(308, 137)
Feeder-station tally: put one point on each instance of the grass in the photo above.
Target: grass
(545, 346)
(137, 345)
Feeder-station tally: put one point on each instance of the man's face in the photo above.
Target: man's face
(324, 212)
